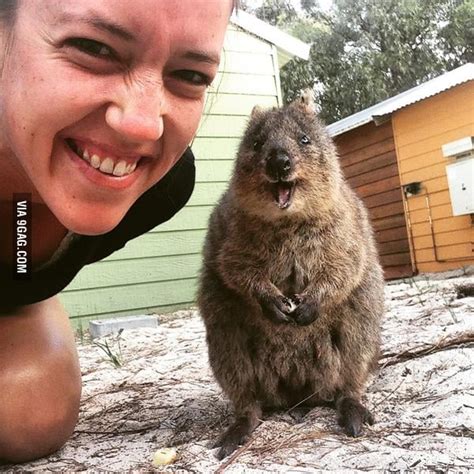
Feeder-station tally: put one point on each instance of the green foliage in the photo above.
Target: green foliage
(114, 352)
(364, 51)
(276, 12)
(458, 33)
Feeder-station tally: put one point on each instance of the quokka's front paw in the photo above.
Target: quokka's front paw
(305, 312)
(275, 309)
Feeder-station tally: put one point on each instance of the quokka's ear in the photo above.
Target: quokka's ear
(257, 111)
(307, 99)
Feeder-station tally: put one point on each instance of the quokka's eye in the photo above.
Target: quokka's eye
(304, 140)
(257, 145)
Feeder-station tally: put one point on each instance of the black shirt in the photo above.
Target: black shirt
(157, 205)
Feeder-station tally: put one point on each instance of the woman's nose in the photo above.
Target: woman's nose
(138, 114)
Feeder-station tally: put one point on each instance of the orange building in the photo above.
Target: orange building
(411, 159)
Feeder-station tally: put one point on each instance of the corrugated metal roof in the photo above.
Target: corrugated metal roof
(423, 91)
(287, 44)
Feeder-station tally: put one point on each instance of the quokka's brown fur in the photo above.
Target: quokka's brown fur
(290, 232)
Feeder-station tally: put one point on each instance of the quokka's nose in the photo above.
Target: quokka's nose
(278, 165)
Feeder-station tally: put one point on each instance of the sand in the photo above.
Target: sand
(163, 395)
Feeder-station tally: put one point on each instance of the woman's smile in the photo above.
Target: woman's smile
(104, 168)
(105, 161)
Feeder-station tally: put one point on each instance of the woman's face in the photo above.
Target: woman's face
(99, 99)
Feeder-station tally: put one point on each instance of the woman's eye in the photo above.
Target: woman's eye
(193, 77)
(92, 47)
(304, 140)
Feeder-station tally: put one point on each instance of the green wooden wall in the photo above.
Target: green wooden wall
(157, 272)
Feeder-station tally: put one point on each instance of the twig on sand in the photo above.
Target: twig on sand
(141, 430)
(460, 431)
(234, 456)
(287, 442)
(389, 395)
(393, 358)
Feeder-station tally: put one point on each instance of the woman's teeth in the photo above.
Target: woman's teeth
(107, 165)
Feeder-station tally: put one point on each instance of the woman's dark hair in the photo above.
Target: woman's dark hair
(8, 9)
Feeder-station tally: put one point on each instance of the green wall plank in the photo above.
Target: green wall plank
(208, 170)
(207, 193)
(215, 148)
(136, 271)
(245, 63)
(221, 104)
(233, 83)
(189, 218)
(159, 244)
(238, 40)
(133, 298)
(222, 126)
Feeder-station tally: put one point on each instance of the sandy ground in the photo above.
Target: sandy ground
(163, 395)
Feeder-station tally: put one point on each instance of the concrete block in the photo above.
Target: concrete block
(104, 327)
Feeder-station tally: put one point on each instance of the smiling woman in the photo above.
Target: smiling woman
(98, 104)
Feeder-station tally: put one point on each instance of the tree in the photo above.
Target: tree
(364, 51)
(458, 33)
(276, 12)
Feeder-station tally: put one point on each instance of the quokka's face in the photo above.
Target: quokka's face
(286, 161)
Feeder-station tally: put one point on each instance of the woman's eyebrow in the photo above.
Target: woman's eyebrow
(202, 56)
(99, 23)
(116, 29)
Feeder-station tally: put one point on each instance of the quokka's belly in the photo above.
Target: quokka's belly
(288, 374)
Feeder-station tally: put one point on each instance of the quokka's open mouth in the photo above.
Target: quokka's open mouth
(283, 193)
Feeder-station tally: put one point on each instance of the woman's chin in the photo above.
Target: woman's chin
(85, 225)
(92, 230)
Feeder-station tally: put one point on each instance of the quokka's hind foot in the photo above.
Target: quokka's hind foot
(352, 415)
(236, 435)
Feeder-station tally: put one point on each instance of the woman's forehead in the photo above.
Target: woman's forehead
(147, 18)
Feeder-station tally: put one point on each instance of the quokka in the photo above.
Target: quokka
(291, 289)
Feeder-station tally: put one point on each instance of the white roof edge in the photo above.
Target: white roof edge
(289, 44)
(429, 88)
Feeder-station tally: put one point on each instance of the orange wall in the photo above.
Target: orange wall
(419, 131)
